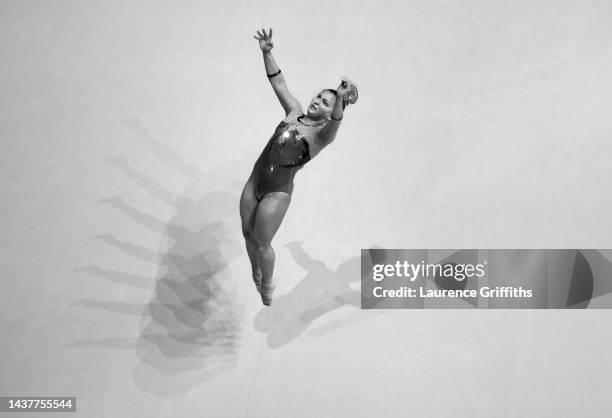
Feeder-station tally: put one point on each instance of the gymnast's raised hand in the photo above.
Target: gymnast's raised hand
(265, 40)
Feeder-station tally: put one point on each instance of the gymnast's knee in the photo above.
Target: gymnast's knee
(264, 248)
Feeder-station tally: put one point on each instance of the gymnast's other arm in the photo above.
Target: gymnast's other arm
(328, 133)
(277, 80)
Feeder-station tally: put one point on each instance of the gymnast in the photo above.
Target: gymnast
(296, 140)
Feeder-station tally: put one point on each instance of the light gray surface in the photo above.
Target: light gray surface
(480, 124)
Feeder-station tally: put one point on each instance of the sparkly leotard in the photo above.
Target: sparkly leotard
(286, 152)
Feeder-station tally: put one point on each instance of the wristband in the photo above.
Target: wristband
(274, 75)
(337, 120)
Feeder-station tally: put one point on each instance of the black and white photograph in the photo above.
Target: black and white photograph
(297, 209)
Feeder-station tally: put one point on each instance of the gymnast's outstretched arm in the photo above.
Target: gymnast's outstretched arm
(274, 74)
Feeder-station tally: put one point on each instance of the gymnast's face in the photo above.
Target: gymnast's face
(321, 106)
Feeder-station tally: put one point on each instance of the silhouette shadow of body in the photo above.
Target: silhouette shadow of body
(321, 291)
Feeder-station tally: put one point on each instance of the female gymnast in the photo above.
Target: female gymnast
(296, 140)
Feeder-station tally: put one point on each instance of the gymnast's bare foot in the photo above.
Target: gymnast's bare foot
(266, 291)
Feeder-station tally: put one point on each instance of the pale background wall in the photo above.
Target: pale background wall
(480, 124)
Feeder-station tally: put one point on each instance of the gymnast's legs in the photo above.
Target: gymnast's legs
(260, 222)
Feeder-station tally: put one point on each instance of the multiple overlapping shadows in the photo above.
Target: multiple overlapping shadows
(191, 328)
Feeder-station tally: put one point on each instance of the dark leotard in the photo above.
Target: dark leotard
(286, 152)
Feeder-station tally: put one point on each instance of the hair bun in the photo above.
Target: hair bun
(351, 97)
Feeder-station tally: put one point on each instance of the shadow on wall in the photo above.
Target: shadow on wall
(191, 328)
